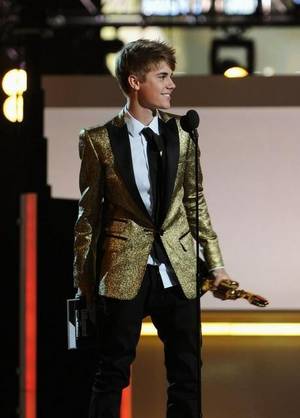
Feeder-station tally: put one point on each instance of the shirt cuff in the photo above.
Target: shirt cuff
(217, 268)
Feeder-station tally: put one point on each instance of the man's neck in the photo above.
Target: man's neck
(142, 114)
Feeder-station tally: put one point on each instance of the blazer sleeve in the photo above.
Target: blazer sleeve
(207, 236)
(87, 226)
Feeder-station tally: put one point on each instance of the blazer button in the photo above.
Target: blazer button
(161, 232)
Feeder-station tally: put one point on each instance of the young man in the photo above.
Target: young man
(134, 235)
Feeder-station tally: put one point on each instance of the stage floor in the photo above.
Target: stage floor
(243, 377)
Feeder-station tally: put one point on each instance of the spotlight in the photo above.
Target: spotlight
(14, 84)
(232, 57)
(238, 7)
(235, 72)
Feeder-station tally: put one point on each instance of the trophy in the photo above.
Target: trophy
(229, 290)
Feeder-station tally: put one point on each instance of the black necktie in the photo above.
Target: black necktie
(155, 153)
(157, 166)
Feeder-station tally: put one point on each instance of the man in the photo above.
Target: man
(134, 235)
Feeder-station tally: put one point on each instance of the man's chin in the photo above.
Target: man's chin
(165, 106)
(162, 106)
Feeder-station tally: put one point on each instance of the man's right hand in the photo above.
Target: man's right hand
(88, 292)
(90, 299)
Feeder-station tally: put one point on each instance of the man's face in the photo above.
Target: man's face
(155, 91)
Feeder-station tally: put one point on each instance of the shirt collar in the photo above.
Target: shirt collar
(135, 127)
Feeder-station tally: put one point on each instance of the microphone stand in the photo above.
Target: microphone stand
(194, 136)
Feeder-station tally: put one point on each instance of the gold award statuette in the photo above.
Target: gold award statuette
(228, 289)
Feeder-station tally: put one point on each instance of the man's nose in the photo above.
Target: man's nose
(171, 84)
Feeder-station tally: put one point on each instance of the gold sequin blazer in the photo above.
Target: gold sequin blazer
(114, 232)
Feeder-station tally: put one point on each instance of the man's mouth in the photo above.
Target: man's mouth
(167, 94)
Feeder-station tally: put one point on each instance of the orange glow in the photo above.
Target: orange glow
(29, 305)
(126, 404)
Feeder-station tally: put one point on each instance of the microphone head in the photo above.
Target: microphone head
(190, 121)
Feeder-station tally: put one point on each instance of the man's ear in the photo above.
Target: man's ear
(134, 82)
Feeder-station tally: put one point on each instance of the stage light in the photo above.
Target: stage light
(232, 57)
(14, 84)
(237, 7)
(170, 8)
(239, 329)
(268, 71)
(13, 108)
(108, 33)
(236, 72)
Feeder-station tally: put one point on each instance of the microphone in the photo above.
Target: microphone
(190, 123)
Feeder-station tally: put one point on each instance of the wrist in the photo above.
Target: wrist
(219, 272)
(219, 275)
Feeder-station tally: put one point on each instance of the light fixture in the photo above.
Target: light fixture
(233, 57)
(14, 84)
(237, 7)
(235, 72)
(239, 329)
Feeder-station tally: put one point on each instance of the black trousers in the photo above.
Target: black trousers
(174, 316)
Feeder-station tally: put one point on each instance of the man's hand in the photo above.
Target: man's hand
(219, 275)
(88, 291)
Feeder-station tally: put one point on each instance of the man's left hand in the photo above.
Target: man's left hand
(219, 275)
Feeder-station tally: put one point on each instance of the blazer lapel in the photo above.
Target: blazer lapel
(119, 140)
(169, 132)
